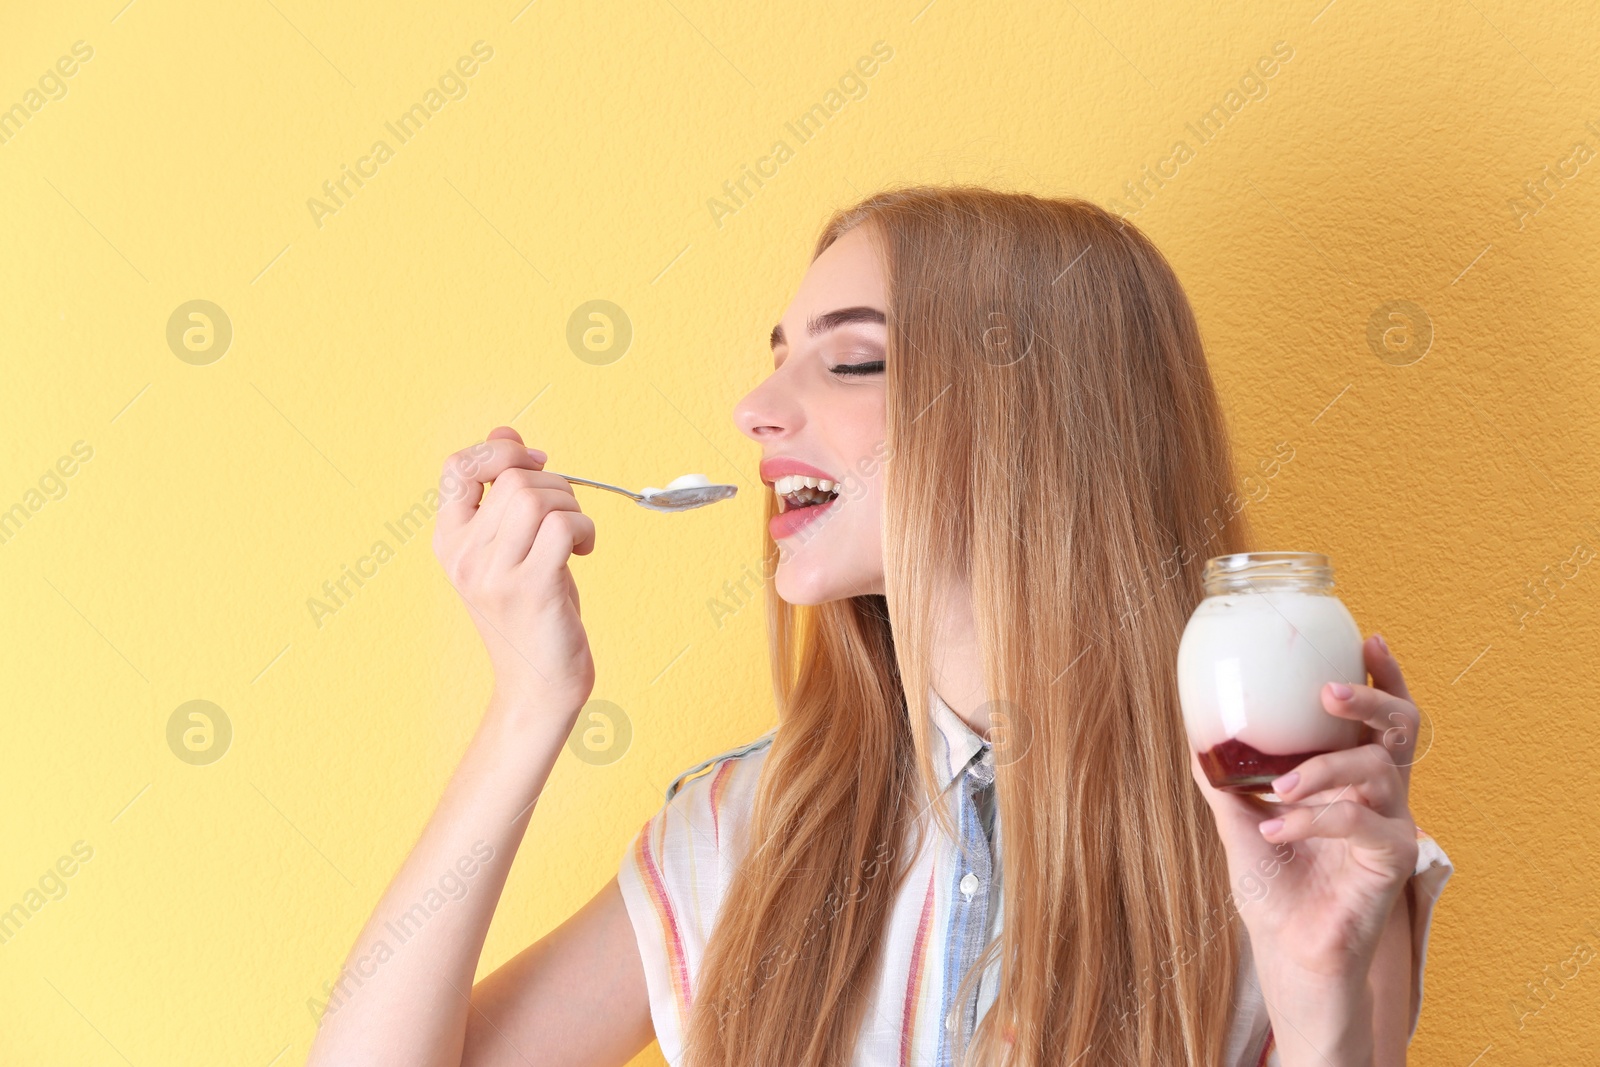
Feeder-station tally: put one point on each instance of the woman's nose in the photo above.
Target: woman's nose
(768, 411)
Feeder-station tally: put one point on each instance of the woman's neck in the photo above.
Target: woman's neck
(957, 664)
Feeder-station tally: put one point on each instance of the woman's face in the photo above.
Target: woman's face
(820, 414)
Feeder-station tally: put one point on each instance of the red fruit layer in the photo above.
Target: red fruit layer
(1235, 767)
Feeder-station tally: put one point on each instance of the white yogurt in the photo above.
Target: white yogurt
(683, 481)
(1251, 666)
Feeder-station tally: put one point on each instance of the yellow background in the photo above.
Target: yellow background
(1380, 165)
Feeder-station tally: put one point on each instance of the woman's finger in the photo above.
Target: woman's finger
(466, 473)
(517, 520)
(1366, 773)
(561, 534)
(1356, 823)
(1366, 703)
(508, 433)
(1393, 720)
(492, 519)
(527, 510)
(1383, 667)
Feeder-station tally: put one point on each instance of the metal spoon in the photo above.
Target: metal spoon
(666, 500)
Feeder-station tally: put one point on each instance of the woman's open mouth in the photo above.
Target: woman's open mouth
(801, 501)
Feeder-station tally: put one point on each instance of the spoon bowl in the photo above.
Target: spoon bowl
(695, 496)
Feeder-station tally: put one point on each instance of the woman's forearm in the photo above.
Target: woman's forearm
(402, 999)
(1319, 1026)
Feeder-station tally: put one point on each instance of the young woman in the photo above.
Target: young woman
(1020, 468)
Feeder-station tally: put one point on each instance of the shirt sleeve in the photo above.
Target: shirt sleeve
(1433, 870)
(674, 875)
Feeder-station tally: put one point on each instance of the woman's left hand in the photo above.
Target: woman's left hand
(1330, 875)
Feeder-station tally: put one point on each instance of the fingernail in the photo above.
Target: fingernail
(1381, 642)
(1340, 690)
(1282, 785)
(538, 455)
(1271, 826)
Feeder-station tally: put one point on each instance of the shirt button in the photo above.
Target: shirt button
(969, 884)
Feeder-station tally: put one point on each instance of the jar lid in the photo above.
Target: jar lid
(1243, 572)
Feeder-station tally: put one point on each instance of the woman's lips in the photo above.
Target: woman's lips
(796, 519)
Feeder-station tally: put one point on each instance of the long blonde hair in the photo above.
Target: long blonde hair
(1054, 439)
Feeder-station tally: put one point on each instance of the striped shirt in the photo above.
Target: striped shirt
(680, 865)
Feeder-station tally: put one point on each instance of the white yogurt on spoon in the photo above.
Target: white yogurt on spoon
(683, 481)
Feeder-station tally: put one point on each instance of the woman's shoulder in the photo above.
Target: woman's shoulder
(705, 812)
(677, 871)
(746, 757)
(707, 806)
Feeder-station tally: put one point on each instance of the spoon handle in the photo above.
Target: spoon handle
(600, 485)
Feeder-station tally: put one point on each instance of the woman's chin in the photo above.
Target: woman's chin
(800, 585)
(808, 581)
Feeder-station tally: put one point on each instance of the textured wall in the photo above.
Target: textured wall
(1442, 155)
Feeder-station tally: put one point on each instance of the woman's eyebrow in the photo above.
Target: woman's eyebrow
(831, 320)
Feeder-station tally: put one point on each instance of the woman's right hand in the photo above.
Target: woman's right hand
(507, 558)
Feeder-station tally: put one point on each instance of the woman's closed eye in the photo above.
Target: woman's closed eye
(852, 369)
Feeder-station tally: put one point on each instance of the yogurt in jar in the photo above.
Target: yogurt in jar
(1252, 663)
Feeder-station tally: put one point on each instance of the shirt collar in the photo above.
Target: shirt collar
(954, 742)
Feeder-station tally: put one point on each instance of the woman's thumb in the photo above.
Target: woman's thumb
(505, 432)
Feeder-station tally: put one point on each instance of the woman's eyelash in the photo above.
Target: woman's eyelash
(872, 367)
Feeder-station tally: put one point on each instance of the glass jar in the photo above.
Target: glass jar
(1252, 663)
